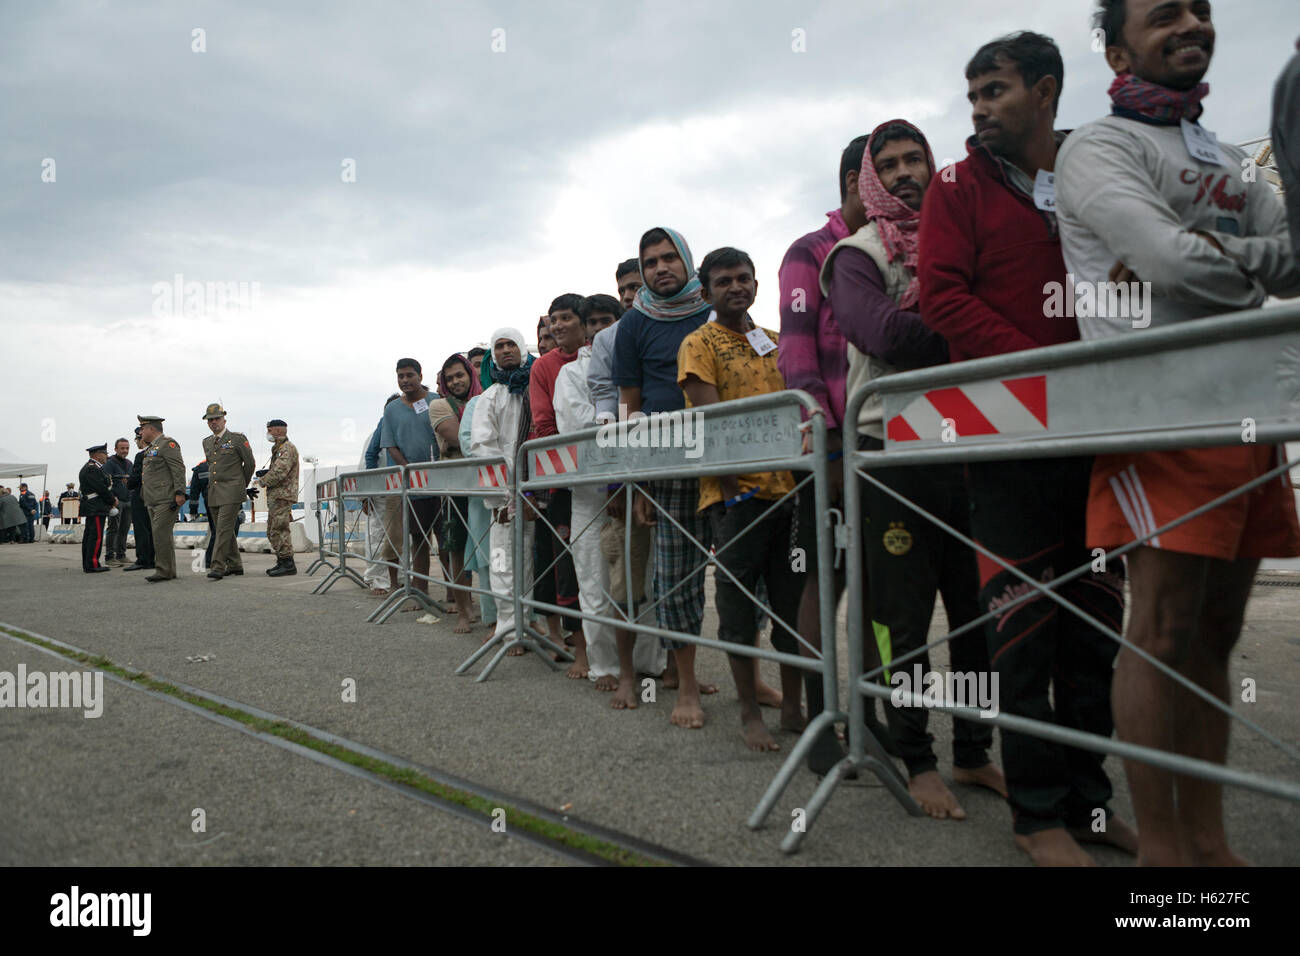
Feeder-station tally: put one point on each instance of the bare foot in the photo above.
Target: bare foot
(792, 718)
(378, 592)
(768, 696)
(577, 670)
(756, 735)
(986, 776)
(1054, 847)
(1117, 834)
(607, 683)
(929, 790)
(706, 687)
(519, 650)
(687, 712)
(464, 624)
(625, 696)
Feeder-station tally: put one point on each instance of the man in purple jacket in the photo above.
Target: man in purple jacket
(870, 281)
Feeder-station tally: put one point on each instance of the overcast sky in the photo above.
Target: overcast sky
(486, 181)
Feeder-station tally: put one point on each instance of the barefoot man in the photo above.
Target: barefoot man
(870, 279)
(669, 307)
(457, 384)
(501, 421)
(989, 246)
(1136, 205)
(720, 361)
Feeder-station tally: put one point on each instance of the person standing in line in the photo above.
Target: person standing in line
(31, 508)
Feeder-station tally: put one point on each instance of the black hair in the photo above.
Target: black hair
(1035, 55)
(476, 350)
(895, 132)
(392, 398)
(409, 363)
(454, 360)
(627, 266)
(851, 161)
(570, 300)
(1110, 18)
(724, 258)
(600, 303)
(121, 439)
(651, 238)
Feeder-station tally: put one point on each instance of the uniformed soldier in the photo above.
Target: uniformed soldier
(97, 500)
(230, 468)
(281, 483)
(139, 513)
(162, 483)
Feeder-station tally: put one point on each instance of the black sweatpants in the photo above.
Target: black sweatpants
(1032, 514)
(762, 555)
(909, 560)
(143, 532)
(92, 542)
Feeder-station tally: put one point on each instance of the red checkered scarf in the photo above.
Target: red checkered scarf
(1157, 103)
(899, 223)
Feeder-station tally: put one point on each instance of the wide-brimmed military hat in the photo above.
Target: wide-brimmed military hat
(214, 411)
(155, 420)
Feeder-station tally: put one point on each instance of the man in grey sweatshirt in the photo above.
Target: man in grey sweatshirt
(1148, 196)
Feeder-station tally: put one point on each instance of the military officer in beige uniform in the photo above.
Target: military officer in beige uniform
(230, 468)
(162, 485)
(281, 483)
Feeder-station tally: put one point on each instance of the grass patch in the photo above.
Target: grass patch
(556, 832)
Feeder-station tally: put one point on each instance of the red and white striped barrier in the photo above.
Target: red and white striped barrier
(349, 484)
(419, 479)
(1013, 406)
(555, 461)
(392, 482)
(492, 476)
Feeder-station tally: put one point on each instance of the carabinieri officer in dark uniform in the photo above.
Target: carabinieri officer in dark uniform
(97, 500)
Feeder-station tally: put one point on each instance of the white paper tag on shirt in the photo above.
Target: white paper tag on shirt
(1045, 190)
(421, 406)
(1202, 145)
(758, 338)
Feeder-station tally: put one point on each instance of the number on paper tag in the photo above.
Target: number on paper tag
(1202, 145)
(759, 340)
(1045, 190)
(421, 406)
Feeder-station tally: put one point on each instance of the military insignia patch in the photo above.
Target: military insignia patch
(897, 540)
(171, 444)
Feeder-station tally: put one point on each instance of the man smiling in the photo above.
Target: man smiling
(1147, 193)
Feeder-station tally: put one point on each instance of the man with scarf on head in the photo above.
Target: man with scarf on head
(669, 307)
(870, 280)
(457, 384)
(502, 421)
(989, 247)
(1146, 195)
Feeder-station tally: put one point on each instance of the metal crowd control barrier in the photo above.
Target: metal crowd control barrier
(383, 485)
(1192, 385)
(324, 494)
(750, 435)
(329, 500)
(452, 479)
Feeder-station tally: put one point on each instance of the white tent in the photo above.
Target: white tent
(10, 467)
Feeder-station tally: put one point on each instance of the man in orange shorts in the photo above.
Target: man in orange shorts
(1148, 198)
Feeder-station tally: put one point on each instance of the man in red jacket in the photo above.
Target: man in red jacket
(988, 246)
